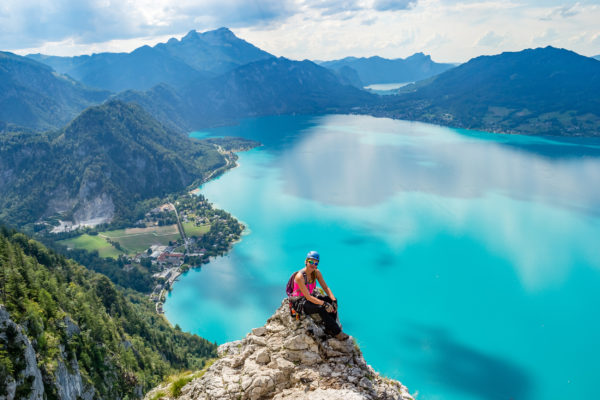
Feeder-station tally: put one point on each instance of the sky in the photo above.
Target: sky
(448, 30)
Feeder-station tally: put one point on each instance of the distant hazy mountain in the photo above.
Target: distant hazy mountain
(140, 69)
(98, 166)
(534, 91)
(382, 70)
(266, 87)
(215, 51)
(349, 76)
(197, 55)
(597, 57)
(35, 97)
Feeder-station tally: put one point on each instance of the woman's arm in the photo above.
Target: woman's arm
(324, 285)
(299, 279)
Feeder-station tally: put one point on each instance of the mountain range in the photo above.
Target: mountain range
(90, 154)
(176, 62)
(547, 91)
(535, 91)
(265, 87)
(207, 79)
(376, 69)
(34, 97)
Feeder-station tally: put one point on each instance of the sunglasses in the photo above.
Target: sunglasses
(313, 262)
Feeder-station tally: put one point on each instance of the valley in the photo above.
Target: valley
(118, 270)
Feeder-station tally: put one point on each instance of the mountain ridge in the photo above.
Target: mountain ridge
(265, 87)
(534, 91)
(34, 97)
(376, 69)
(175, 62)
(98, 166)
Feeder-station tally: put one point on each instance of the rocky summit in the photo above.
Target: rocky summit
(288, 359)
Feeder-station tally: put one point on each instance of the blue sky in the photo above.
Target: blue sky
(449, 30)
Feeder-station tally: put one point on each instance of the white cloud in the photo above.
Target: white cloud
(449, 30)
(27, 23)
(548, 36)
(393, 5)
(334, 7)
(490, 39)
(565, 11)
(369, 21)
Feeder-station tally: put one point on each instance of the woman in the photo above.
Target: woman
(326, 306)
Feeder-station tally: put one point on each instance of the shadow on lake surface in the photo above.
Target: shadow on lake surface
(468, 370)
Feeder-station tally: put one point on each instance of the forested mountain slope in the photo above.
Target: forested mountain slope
(534, 91)
(98, 166)
(68, 333)
(33, 96)
(267, 87)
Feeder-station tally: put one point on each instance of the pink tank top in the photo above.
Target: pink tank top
(310, 287)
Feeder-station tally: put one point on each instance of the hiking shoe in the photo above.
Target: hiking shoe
(341, 336)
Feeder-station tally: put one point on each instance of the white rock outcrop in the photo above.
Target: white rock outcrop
(287, 359)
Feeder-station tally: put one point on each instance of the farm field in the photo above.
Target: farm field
(135, 240)
(191, 229)
(132, 240)
(90, 243)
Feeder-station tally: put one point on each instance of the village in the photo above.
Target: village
(173, 235)
(204, 232)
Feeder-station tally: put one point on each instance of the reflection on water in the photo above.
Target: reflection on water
(354, 167)
(491, 239)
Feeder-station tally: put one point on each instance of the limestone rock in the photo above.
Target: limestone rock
(12, 337)
(66, 379)
(263, 357)
(288, 359)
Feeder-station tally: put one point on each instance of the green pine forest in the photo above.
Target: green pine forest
(122, 346)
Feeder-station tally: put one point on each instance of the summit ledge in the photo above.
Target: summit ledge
(288, 359)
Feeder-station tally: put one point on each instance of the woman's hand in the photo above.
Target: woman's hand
(328, 307)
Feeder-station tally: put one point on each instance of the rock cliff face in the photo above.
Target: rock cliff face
(287, 359)
(27, 382)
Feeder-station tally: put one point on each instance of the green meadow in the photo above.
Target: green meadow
(90, 243)
(131, 240)
(191, 229)
(135, 240)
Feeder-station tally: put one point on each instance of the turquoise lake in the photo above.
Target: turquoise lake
(466, 264)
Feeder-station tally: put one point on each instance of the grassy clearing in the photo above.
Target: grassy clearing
(171, 388)
(91, 243)
(136, 240)
(179, 381)
(191, 229)
(132, 241)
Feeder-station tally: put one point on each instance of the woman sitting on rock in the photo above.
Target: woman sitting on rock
(305, 282)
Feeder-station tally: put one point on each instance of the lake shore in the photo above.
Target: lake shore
(443, 215)
(174, 273)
